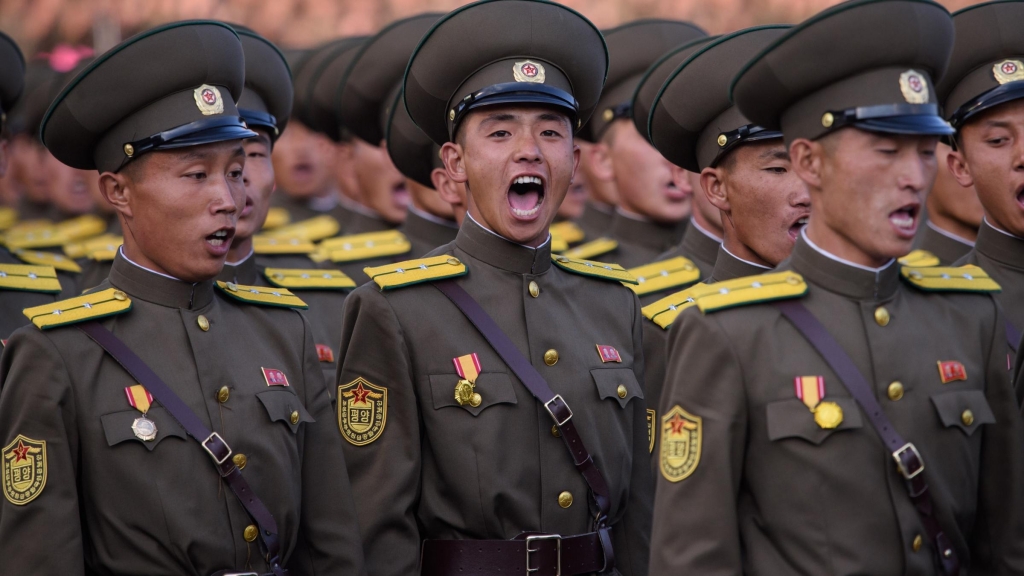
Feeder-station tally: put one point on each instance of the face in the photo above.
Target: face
(303, 162)
(258, 179)
(643, 177)
(517, 163)
(72, 191)
(28, 168)
(180, 208)
(992, 160)
(709, 216)
(600, 182)
(452, 192)
(381, 187)
(948, 199)
(866, 191)
(429, 200)
(575, 201)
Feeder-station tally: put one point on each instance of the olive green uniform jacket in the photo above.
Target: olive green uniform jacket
(641, 241)
(595, 220)
(943, 245)
(772, 492)
(13, 301)
(699, 247)
(439, 470)
(1002, 256)
(426, 232)
(113, 504)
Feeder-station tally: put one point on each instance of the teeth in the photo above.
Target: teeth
(216, 241)
(902, 219)
(802, 221)
(526, 213)
(527, 180)
(221, 234)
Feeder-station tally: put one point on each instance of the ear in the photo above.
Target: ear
(445, 187)
(577, 155)
(806, 158)
(712, 182)
(600, 159)
(454, 162)
(117, 190)
(956, 162)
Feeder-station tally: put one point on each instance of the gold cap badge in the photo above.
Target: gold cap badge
(914, 87)
(1008, 71)
(528, 71)
(208, 100)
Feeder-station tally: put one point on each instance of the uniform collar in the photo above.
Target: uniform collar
(636, 230)
(729, 266)
(244, 271)
(492, 249)
(1000, 246)
(363, 221)
(842, 276)
(948, 247)
(700, 244)
(160, 289)
(595, 217)
(431, 229)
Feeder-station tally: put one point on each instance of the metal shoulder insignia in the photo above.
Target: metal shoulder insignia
(920, 259)
(265, 244)
(968, 278)
(365, 246)
(665, 311)
(567, 231)
(261, 295)
(312, 229)
(308, 279)
(391, 276)
(29, 278)
(606, 271)
(41, 258)
(109, 302)
(276, 218)
(592, 249)
(749, 290)
(657, 276)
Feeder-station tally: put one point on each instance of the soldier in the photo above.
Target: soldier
(954, 215)
(806, 412)
(108, 401)
(459, 466)
(982, 96)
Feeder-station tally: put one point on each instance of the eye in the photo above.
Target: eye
(196, 175)
(256, 154)
(235, 174)
(776, 169)
(888, 151)
(997, 141)
(501, 134)
(551, 134)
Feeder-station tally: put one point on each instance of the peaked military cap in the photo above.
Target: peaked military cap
(987, 66)
(374, 77)
(295, 57)
(632, 49)
(655, 76)
(12, 74)
(266, 99)
(866, 63)
(317, 84)
(692, 122)
(169, 87)
(519, 52)
(37, 89)
(412, 152)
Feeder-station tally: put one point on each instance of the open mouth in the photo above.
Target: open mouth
(796, 227)
(675, 193)
(302, 169)
(1020, 197)
(904, 220)
(219, 242)
(525, 196)
(400, 194)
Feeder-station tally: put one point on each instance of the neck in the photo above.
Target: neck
(840, 247)
(240, 249)
(951, 226)
(706, 226)
(740, 250)
(534, 243)
(997, 227)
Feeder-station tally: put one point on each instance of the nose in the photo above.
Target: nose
(527, 149)
(801, 197)
(228, 196)
(918, 172)
(1018, 154)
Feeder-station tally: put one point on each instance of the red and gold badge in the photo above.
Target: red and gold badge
(325, 353)
(274, 377)
(468, 369)
(811, 390)
(24, 463)
(951, 371)
(608, 353)
(362, 411)
(681, 436)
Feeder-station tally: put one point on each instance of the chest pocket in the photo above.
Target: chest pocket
(792, 419)
(963, 409)
(284, 406)
(618, 384)
(493, 387)
(117, 427)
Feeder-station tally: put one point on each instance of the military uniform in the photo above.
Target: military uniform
(699, 246)
(945, 246)
(596, 219)
(1002, 257)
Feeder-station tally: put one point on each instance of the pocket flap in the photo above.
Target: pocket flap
(617, 383)
(965, 409)
(284, 406)
(118, 426)
(792, 419)
(493, 387)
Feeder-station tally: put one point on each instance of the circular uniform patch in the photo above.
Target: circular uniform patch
(208, 100)
(1008, 71)
(914, 87)
(528, 71)
(24, 470)
(362, 411)
(681, 435)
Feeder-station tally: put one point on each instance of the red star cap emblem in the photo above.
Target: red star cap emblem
(677, 424)
(360, 394)
(915, 83)
(529, 70)
(21, 452)
(209, 97)
(1009, 67)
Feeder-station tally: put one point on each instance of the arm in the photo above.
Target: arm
(44, 535)
(385, 471)
(695, 520)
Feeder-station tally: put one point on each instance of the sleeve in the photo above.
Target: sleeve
(329, 539)
(384, 465)
(40, 523)
(702, 426)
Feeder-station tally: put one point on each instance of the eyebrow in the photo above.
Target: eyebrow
(500, 117)
(775, 154)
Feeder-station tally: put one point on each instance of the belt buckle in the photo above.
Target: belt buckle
(209, 439)
(914, 465)
(558, 549)
(555, 418)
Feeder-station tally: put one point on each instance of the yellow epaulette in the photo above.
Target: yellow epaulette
(8, 217)
(261, 295)
(87, 226)
(29, 278)
(34, 224)
(276, 217)
(568, 231)
(558, 244)
(264, 244)
(592, 249)
(364, 246)
(658, 276)
(607, 271)
(748, 290)
(312, 229)
(411, 272)
(968, 278)
(40, 258)
(920, 259)
(81, 248)
(89, 307)
(308, 279)
(34, 237)
(664, 311)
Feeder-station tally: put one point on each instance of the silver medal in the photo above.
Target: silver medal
(145, 429)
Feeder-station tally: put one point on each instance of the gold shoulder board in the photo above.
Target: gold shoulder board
(920, 259)
(950, 279)
(85, 248)
(411, 272)
(40, 258)
(558, 244)
(262, 295)
(29, 278)
(308, 279)
(607, 271)
(592, 249)
(265, 244)
(101, 304)
(749, 290)
(664, 311)
(276, 217)
(8, 216)
(82, 227)
(312, 229)
(663, 275)
(568, 231)
(365, 246)
(34, 237)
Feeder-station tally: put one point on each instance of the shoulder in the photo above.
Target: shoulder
(664, 275)
(748, 291)
(308, 279)
(93, 306)
(590, 268)
(417, 271)
(920, 259)
(261, 296)
(358, 247)
(266, 245)
(44, 258)
(965, 279)
(29, 278)
(664, 312)
(592, 249)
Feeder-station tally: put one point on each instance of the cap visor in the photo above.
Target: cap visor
(917, 124)
(208, 136)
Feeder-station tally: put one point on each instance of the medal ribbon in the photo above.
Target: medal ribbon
(139, 397)
(468, 367)
(810, 389)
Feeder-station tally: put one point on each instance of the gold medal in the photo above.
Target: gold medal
(464, 392)
(468, 368)
(828, 415)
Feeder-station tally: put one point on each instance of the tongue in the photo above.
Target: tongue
(525, 201)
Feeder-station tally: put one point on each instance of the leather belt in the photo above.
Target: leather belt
(528, 555)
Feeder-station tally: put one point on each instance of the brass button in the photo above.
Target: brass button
(555, 432)
(967, 417)
(295, 417)
(918, 542)
(827, 119)
(129, 150)
(204, 324)
(621, 391)
(453, 261)
(232, 286)
(534, 289)
(118, 295)
(551, 357)
(882, 316)
(240, 460)
(723, 140)
(895, 391)
(565, 499)
(223, 394)
(250, 533)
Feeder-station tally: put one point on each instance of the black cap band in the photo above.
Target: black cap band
(515, 93)
(261, 119)
(204, 131)
(921, 119)
(994, 97)
(727, 141)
